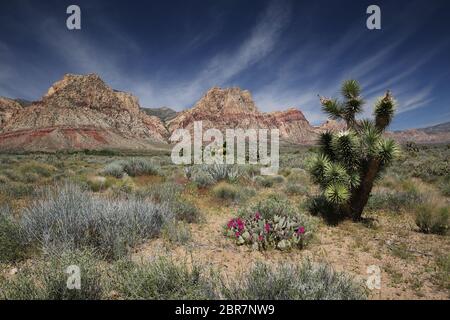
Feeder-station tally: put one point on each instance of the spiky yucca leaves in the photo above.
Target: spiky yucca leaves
(384, 111)
(348, 162)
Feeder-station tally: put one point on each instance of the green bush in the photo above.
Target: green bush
(273, 205)
(138, 167)
(264, 181)
(294, 282)
(394, 201)
(114, 169)
(431, 219)
(442, 275)
(17, 189)
(203, 179)
(226, 191)
(12, 246)
(185, 211)
(296, 189)
(46, 278)
(133, 167)
(170, 194)
(162, 279)
(177, 232)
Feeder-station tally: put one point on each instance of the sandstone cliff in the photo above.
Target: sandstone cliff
(82, 112)
(235, 108)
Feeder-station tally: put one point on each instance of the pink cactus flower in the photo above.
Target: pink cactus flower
(301, 230)
(267, 227)
(260, 238)
(257, 216)
(238, 234)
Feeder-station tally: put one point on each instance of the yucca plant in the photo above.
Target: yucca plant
(350, 161)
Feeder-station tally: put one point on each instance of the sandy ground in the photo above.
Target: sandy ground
(405, 257)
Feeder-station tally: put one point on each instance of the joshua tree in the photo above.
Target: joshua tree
(350, 161)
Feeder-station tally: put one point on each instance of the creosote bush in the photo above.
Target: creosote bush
(294, 282)
(432, 219)
(349, 162)
(133, 167)
(68, 216)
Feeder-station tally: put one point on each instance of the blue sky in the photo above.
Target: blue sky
(169, 53)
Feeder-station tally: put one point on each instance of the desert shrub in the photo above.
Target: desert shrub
(46, 278)
(37, 168)
(170, 194)
(123, 187)
(3, 179)
(185, 211)
(13, 175)
(161, 279)
(226, 191)
(114, 169)
(233, 192)
(222, 172)
(272, 223)
(432, 219)
(177, 232)
(138, 167)
(442, 275)
(97, 184)
(264, 181)
(17, 189)
(202, 179)
(277, 179)
(250, 170)
(294, 282)
(68, 216)
(12, 246)
(163, 192)
(207, 175)
(296, 189)
(133, 167)
(273, 205)
(298, 176)
(394, 201)
(293, 160)
(444, 186)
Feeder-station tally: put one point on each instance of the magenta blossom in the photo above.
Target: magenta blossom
(238, 234)
(260, 238)
(300, 231)
(267, 227)
(257, 216)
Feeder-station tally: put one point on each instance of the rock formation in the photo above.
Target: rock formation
(235, 108)
(82, 112)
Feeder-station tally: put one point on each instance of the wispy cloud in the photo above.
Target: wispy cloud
(220, 68)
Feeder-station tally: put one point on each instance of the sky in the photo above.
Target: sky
(285, 52)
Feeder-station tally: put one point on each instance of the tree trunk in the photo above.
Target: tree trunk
(361, 195)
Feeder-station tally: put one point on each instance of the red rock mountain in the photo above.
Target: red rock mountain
(80, 112)
(8, 108)
(235, 108)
